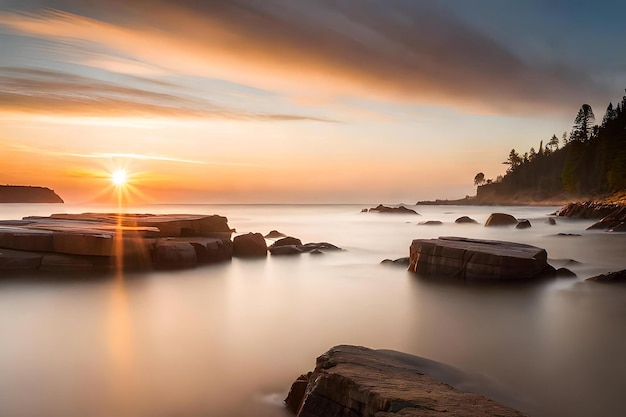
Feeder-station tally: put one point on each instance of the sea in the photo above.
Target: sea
(229, 339)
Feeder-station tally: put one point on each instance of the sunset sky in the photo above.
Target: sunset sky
(283, 101)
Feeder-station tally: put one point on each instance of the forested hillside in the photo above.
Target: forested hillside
(589, 161)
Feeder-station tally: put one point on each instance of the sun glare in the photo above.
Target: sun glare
(119, 177)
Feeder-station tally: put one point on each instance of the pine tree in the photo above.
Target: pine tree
(583, 124)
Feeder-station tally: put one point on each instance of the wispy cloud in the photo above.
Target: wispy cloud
(394, 50)
(41, 91)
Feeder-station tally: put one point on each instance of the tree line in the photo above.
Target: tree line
(590, 160)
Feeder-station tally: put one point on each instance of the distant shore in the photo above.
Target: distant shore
(28, 194)
(618, 198)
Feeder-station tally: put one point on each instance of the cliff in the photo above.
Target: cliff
(27, 194)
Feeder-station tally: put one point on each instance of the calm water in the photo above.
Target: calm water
(228, 340)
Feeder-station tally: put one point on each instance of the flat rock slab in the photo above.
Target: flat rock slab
(81, 242)
(352, 381)
(476, 259)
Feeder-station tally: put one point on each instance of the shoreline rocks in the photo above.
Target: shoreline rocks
(477, 259)
(109, 241)
(500, 219)
(611, 277)
(353, 381)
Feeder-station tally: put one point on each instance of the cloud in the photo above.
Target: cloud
(40, 91)
(395, 50)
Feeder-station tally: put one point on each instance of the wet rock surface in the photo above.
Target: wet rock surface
(465, 220)
(352, 381)
(619, 276)
(477, 259)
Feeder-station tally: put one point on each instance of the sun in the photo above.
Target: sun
(119, 177)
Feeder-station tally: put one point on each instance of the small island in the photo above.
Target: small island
(28, 194)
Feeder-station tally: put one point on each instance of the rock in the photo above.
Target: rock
(287, 241)
(66, 263)
(395, 210)
(321, 246)
(25, 239)
(620, 228)
(397, 262)
(172, 253)
(588, 210)
(285, 250)
(568, 234)
(523, 224)
(296, 393)
(249, 245)
(364, 210)
(351, 381)
(316, 252)
(274, 234)
(465, 220)
(210, 250)
(619, 276)
(83, 243)
(500, 219)
(476, 259)
(612, 221)
(18, 260)
(565, 273)
(430, 223)
(550, 221)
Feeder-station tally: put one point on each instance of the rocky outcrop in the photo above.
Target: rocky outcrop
(500, 219)
(523, 224)
(613, 222)
(477, 259)
(250, 245)
(105, 241)
(286, 241)
(393, 210)
(27, 194)
(351, 381)
(619, 276)
(465, 220)
(431, 223)
(588, 210)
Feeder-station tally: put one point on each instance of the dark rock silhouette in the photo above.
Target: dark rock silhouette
(27, 194)
(286, 241)
(619, 276)
(353, 381)
(565, 273)
(431, 223)
(465, 220)
(550, 221)
(613, 222)
(523, 224)
(394, 210)
(500, 219)
(274, 234)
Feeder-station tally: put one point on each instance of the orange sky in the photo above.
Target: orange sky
(283, 102)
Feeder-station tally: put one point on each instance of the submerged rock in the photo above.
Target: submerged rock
(550, 221)
(500, 219)
(523, 224)
(274, 234)
(431, 223)
(477, 259)
(285, 250)
(352, 381)
(287, 241)
(394, 210)
(465, 220)
(397, 262)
